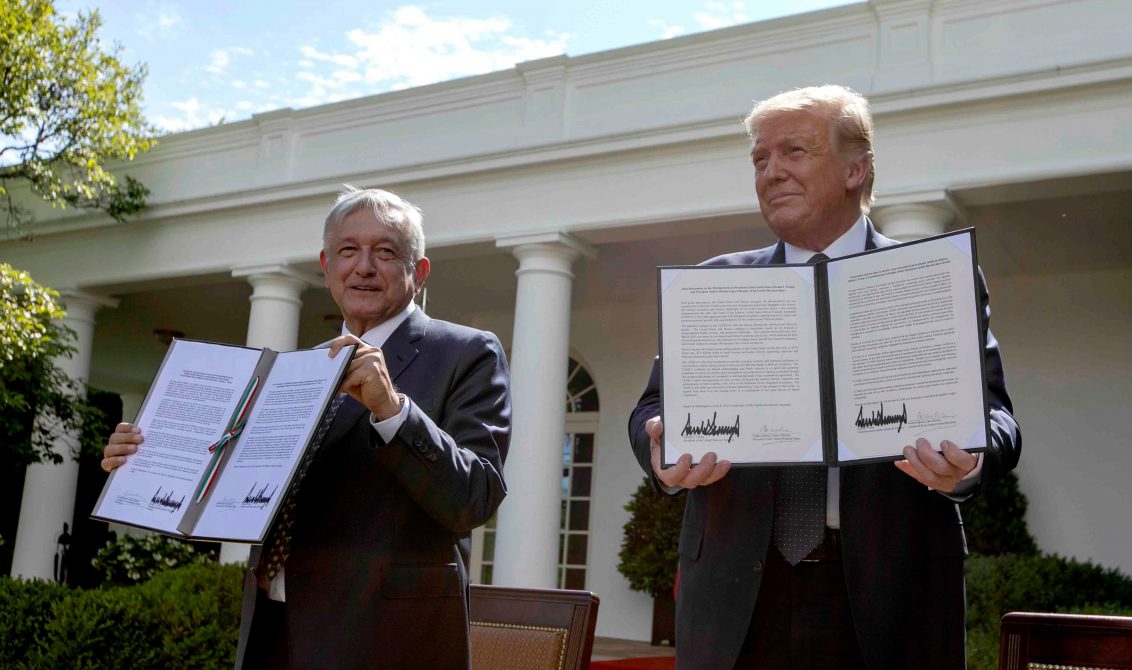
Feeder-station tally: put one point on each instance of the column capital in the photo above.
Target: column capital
(549, 240)
(276, 270)
(83, 305)
(915, 215)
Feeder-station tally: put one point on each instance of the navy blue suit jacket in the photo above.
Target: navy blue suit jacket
(902, 545)
(377, 575)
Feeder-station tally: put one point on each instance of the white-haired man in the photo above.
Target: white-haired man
(882, 587)
(374, 573)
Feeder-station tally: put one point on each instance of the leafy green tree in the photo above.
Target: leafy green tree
(31, 385)
(66, 107)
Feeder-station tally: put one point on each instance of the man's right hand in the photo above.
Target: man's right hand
(683, 475)
(123, 442)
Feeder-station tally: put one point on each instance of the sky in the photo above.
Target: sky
(214, 62)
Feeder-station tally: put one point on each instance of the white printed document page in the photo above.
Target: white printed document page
(187, 409)
(907, 355)
(267, 453)
(739, 364)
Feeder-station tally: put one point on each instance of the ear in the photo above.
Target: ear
(322, 262)
(856, 172)
(420, 272)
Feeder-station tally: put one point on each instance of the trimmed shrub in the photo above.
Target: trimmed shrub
(650, 546)
(187, 617)
(198, 607)
(89, 630)
(25, 610)
(1032, 583)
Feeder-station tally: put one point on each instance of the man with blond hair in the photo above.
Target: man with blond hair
(880, 584)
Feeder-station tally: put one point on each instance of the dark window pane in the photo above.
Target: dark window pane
(587, 402)
(561, 545)
(579, 515)
(562, 518)
(584, 448)
(485, 575)
(488, 545)
(561, 575)
(576, 549)
(575, 578)
(581, 484)
(579, 382)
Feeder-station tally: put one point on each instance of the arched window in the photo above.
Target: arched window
(577, 479)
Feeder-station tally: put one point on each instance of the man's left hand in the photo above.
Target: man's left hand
(936, 470)
(367, 379)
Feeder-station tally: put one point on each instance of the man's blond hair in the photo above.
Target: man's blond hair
(850, 123)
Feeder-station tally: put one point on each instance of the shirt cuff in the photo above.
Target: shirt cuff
(388, 428)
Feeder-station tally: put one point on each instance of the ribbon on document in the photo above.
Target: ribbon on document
(235, 426)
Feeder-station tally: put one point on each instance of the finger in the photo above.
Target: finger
(963, 460)
(932, 459)
(112, 462)
(126, 427)
(341, 341)
(676, 474)
(655, 428)
(701, 472)
(721, 469)
(120, 448)
(915, 468)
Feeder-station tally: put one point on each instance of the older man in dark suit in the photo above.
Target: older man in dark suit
(372, 572)
(882, 588)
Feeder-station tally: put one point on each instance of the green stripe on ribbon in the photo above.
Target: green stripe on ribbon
(235, 426)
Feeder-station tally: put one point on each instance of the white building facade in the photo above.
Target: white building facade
(551, 192)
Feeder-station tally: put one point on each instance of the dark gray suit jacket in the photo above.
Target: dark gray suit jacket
(377, 575)
(902, 545)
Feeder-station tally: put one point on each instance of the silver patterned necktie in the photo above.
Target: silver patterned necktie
(799, 504)
(277, 545)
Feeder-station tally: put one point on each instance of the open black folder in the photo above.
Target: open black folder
(225, 429)
(840, 362)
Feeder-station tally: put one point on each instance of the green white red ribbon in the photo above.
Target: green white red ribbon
(235, 426)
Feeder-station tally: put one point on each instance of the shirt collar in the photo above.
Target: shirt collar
(376, 336)
(851, 242)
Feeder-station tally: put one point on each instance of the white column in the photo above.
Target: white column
(49, 490)
(905, 222)
(526, 537)
(273, 323)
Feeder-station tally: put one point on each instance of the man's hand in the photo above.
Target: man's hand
(684, 475)
(123, 442)
(939, 471)
(367, 379)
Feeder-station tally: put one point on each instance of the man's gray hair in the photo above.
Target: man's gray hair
(850, 122)
(397, 214)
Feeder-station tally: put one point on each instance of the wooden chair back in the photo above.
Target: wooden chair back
(531, 629)
(1035, 641)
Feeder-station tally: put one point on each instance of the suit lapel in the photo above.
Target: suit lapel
(403, 345)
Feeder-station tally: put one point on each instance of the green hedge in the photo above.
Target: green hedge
(1032, 583)
(187, 617)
